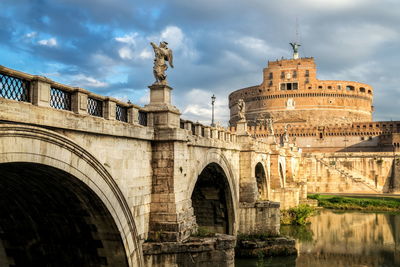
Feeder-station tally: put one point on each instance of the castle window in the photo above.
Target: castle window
(362, 138)
(309, 87)
(339, 87)
(289, 86)
(329, 87)
(362, 89)
(270, 83)
(282, 75)
(320, 87)
(294, 74)
(307, 73)
(271, 75)
(350, 88)
(307, 80)
(369, 91)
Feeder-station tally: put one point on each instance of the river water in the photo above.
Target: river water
(341, 239)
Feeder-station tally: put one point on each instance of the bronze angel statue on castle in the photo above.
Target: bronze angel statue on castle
(161, 54)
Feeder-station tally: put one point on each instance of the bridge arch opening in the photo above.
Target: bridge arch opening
(48, 217)
(262, 184)
(212, 200)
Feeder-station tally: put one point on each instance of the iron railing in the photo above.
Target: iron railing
(142, 118)
(60, 99)
(95, 107)
(14, 88)
(121, 113)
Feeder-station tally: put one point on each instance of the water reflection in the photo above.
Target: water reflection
(343, 239)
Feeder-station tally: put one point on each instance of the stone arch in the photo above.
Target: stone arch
(218, 161)
(278, 172)
(262, 181)
(33, 146)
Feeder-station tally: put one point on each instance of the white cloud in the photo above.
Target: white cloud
(128, 39)
(174, 36)
(331, 4)
(198, 107)
(87, 81)
(31, 35)
(49, 42)
(145, 99)
(125, 53)
(258, 47)
(145, 54)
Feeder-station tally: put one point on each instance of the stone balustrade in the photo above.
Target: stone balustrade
(44, 92)
(198, 129)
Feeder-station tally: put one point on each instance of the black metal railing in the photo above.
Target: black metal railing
(60, 99)
(14, 88)
(121, 113)
(95, 107)
(142, 118)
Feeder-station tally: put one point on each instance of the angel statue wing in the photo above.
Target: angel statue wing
(170, 58)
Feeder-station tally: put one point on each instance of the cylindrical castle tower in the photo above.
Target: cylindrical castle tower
(291, 93)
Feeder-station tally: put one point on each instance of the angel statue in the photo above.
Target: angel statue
(241, 109)
(161, 54)
(295, 47)
(270, 124)
(286, 133)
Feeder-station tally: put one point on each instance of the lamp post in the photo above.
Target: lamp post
(212, 104)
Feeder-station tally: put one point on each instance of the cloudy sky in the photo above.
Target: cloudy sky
(219, 45)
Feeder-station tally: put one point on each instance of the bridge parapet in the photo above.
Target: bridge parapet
(44, 92)
(196, 129)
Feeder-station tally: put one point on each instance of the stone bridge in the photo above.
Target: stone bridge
(89, 180)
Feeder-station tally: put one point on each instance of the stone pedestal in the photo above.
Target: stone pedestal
(161, 113)
(160, 94)
(241, 128)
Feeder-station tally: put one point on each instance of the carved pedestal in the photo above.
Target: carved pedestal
(241, 128)
(162, 113)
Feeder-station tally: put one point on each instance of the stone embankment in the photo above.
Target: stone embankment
(217, 251)
(273, 246)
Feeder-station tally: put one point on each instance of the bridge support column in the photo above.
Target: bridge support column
(248, 187)
(171, 219)
(276, 179)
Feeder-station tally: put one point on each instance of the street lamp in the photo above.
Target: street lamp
(212, 116)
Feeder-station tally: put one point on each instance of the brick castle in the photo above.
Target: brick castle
(320, 115)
